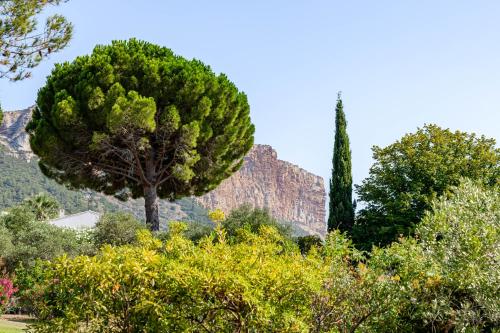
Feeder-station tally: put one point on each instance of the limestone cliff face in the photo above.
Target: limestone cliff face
(13, 135)
(290, 193)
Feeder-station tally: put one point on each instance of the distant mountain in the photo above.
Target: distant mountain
(291, 194)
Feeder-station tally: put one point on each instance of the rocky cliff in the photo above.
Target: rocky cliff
(287, 191)
(290, 193)
(12, 133)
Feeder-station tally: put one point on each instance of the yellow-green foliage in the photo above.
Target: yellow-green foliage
(261, 284)
(180, 287)
(447, 279)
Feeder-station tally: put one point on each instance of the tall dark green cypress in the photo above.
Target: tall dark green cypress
(341, 206)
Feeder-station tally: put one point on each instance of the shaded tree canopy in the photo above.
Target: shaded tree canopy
(410, 173)
(22, 44)
(341, 213)
(133, 119)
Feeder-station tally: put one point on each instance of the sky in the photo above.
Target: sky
(399, 64)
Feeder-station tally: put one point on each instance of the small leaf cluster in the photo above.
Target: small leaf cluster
(22, 45)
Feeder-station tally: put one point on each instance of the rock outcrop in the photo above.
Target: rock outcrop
(13, 134)
(290, 193)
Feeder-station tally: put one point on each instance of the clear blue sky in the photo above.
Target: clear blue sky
(399, 64)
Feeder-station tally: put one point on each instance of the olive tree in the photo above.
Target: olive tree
(135, 120)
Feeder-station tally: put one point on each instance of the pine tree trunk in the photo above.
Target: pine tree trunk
(151, 208)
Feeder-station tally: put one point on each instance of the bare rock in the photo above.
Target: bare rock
(13, 134)
(287, 191)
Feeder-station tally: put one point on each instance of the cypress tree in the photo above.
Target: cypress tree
(341, 205)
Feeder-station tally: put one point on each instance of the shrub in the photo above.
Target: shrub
(256, 284)
(450, 275)
(7, 290)
(194, 231)
(306, 243)
(354, 297)
(117, 229)
(251, 219)
(462, 236)
(31, 239)
(30, 283)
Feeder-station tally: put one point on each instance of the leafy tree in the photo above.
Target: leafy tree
(133, 119)
(22, 45)
(116, 229)
(341, 213)
(410, 173)
(43, 206)
(40, 240)
(18, 219)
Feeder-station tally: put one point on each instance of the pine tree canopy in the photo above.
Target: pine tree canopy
(134, 119)
(341, 213)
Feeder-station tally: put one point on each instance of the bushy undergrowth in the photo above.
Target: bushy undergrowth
(258, 280)
(258, 284)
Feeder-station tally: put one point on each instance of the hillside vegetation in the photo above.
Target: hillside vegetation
(20, 180)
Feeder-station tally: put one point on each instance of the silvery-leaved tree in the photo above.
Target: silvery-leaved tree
(135, 120)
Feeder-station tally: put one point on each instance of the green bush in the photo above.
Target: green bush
(251, 219)
(31, 285)
(117, 229)
(194, 231)
(259, 284)
(180, 287)
(32, 239)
